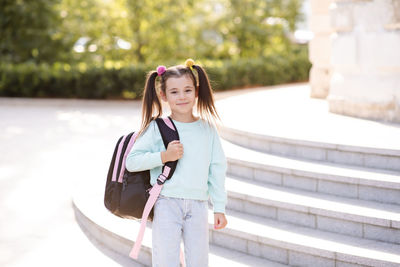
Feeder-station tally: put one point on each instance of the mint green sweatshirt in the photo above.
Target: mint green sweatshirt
(200, 172)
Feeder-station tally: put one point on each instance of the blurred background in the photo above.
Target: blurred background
(103, 48)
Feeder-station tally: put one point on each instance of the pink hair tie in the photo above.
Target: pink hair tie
(160, 70)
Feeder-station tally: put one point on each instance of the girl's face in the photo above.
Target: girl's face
(180, 94)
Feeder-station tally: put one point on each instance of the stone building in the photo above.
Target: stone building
(355, 54)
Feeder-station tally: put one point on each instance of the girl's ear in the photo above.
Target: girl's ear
(163, 96)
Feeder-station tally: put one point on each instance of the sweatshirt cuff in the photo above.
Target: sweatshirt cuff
(153, 160)
(219, 207)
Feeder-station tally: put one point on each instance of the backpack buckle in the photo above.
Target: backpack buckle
(161, 179)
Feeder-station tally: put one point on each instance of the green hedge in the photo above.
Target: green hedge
(115, 82)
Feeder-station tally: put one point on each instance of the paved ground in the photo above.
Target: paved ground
(289, 112)
(46, 148)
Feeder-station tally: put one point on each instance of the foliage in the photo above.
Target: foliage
(102, 48)
(113, 80)
(48, 30)
(29, 31)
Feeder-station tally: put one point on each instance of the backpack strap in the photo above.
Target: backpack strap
(168, 133)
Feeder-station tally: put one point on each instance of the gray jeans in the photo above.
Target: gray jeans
(174, 219)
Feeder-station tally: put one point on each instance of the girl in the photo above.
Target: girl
(181, 210)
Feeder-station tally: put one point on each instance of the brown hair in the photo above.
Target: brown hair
(151, 101)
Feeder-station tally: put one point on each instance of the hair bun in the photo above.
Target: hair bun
(189, 62)
(160, 70)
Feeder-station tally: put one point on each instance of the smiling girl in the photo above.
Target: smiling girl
(181, 210)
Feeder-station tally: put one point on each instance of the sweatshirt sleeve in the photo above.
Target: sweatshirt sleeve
(216, 175)
(144, 154)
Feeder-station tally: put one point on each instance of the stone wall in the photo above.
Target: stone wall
(364, 52)
(320, 48)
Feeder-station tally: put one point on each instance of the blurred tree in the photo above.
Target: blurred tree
(256, 28)
(132, 31)
(100, 24)
(160, 29)
(29, 31)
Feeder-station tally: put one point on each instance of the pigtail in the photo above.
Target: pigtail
(205, 103)
(151, 102)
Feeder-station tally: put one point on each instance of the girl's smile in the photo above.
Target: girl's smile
(181, 96)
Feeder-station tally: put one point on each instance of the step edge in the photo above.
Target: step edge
(305, 208)
(308, 143)
(318, 175)
(243, 233)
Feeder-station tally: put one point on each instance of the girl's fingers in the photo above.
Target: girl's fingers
(217, 223)
(220, 222)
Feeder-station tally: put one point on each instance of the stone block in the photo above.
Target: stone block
(379, 194)
(259, 209)
(301, 259)
(374, 105)
(338, 189)
(269, 177)
(298, 218)
(228, 241)
(394, 15)
(241, 171)
(382, 234)
(268, 252)
(320, 50)
(283, 149)
(300, 182)
(259, 144)
(320, 6)
(395, 224)
(319, 81)
(351, 217)
(341, 15)
(379, 50)
(383, 162)
(320, 23)
(339, 226)
(309, 152)
(240, 139)
(372, 90)
(345, 157)
(234, 204)
(226, 133)
(372, 16)
(344, 50)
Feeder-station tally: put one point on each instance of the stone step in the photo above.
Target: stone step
(352, 217)
(260, 241)
(328, 178)
(118, 235)
(286, 121)
(386, 159)
(299, 246)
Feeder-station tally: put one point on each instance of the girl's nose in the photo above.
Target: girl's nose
(181, 95)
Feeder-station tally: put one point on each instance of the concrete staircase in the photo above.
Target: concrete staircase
(291, 202)
(310, 213)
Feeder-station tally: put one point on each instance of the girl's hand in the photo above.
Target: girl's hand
(174, 151)
(219, 221)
